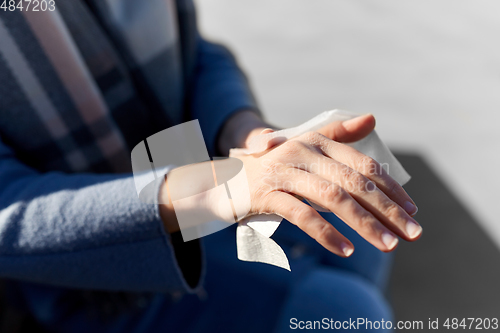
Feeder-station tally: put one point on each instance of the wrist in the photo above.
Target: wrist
(167, 212)
(192, 188)
(238, 129)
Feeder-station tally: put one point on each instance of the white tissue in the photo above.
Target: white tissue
(252, 234)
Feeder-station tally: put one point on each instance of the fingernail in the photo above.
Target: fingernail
(389, 240)
(410, 208)
(266, 130)
(413, 229)
(347, 249)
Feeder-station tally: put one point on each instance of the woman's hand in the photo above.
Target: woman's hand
(337, 177)
(317, 166)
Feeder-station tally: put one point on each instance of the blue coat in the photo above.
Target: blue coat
(70, 218)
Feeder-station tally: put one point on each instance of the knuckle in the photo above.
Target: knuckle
(392, 211)
(345, 173)
(353, 180)
(366, 222)
(357, 179)
(302, 214)
(370, 166)
(316, 139)
(324, 232)
(331, 193)
(311, 136)
(292, 147)
(393, 188)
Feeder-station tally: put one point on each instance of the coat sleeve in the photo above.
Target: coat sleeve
(219, 89)
(83, 231)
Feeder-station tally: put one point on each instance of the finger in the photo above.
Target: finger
(309, 220)
(274, 141)
(371, 169)
(366, 192)
(335, 198)
(350, 130)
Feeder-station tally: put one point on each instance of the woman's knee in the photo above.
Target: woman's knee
(329, 298)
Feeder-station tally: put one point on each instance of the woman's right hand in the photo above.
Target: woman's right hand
(321, 169)
(337, 177)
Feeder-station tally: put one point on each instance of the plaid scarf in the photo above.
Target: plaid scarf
(82, 85)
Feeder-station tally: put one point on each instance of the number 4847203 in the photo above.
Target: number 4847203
(471, 323)
(27, 5)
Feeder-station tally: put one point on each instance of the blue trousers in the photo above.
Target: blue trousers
(322, 289)
(253, 297)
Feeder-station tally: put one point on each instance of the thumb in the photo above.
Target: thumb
(273, 142)
(349, 130)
